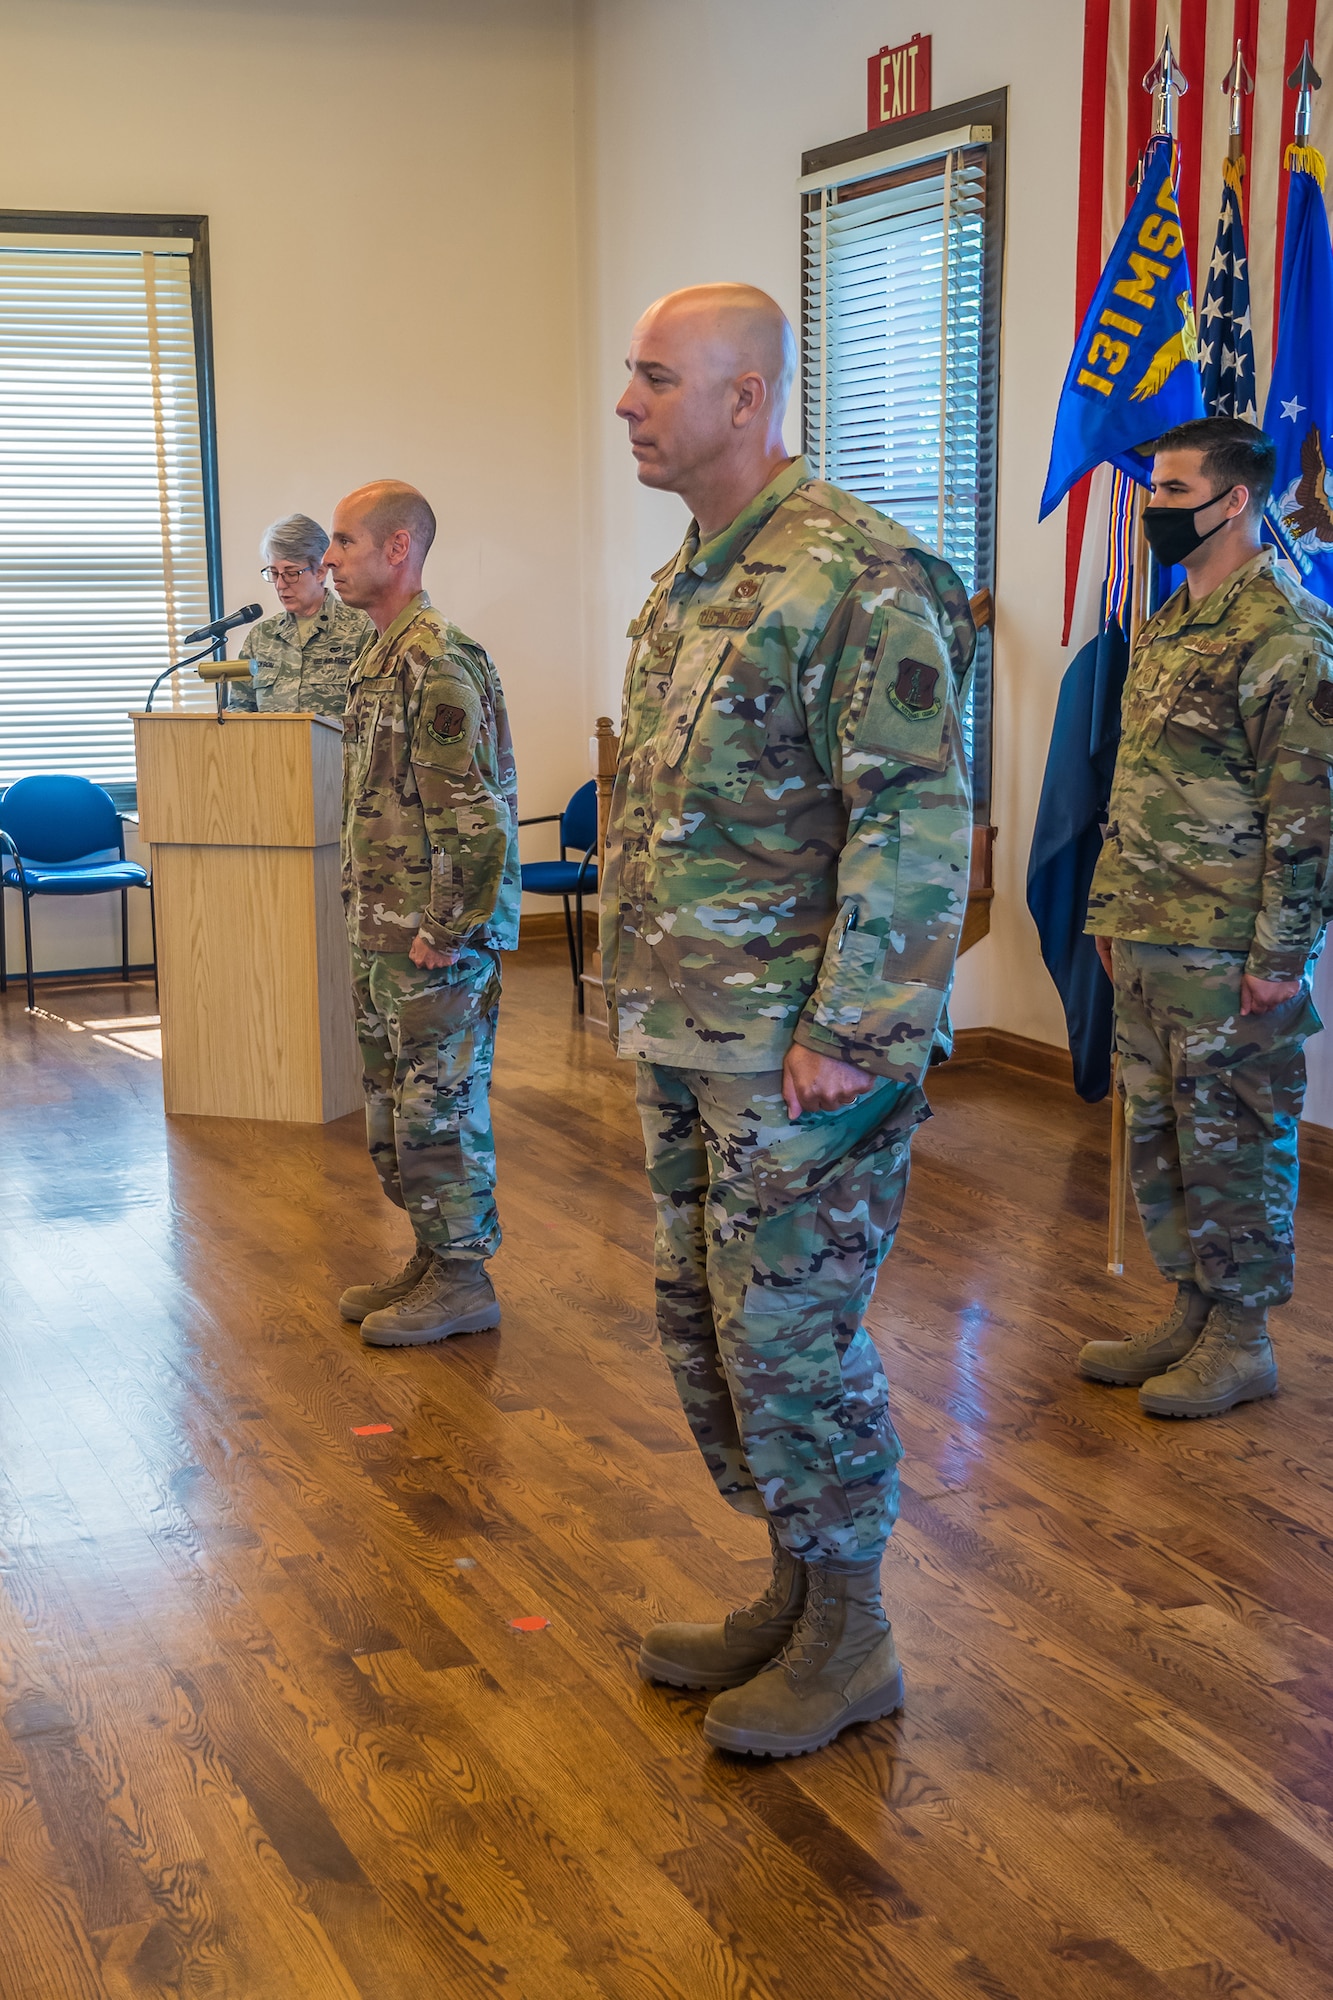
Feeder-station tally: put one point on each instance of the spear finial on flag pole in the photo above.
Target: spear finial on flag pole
(1237, 84)
(1166, 83)
(1305, 79)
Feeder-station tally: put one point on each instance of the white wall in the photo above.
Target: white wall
(390, 192)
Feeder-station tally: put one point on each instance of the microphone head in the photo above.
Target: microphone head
(249, 612)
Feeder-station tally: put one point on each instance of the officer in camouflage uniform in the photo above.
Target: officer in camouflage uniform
(431, 882)
(1208, 904)
(301, 658)
(785, 884)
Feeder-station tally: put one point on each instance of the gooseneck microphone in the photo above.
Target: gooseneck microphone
(221, 626)
(207, 636)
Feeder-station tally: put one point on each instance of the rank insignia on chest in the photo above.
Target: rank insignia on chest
(734, 616)
(1320, 704)
(916, 688)
(449, 724)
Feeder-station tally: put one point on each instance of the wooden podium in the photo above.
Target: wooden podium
(243, 818)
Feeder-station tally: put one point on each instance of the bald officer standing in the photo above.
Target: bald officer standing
(430, 878)
(786, 879)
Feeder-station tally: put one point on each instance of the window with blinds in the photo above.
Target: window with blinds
(106, 515)
(900, 337)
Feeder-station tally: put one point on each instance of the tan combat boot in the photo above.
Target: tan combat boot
(358, 1300)
(1157, 1347)
(454, 1295)
(732, 1651)
(839, 1667)
(1231, 1363)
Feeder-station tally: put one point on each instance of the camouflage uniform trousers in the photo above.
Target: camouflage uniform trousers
(769, 1237)
(427, 1045)
(1212, 1102)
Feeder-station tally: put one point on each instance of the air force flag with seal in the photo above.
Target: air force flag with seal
(1134, 372)
(1298, 415)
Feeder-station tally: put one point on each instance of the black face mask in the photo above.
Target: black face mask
(1171, 534)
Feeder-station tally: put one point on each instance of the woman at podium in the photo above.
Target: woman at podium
(301, 658)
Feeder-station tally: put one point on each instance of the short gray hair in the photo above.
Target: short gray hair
(294, 539)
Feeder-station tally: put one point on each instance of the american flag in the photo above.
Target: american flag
(1120, 43)
(1226, 335)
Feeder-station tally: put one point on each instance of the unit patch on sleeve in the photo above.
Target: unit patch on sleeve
(448, 724)
(916, 689)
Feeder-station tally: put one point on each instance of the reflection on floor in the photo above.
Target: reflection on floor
(140, 1034)
(271, 1723)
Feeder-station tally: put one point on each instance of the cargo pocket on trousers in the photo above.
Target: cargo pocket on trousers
(823, 1224)
(866, 1459)
(438, 1035)
(1246, 1090)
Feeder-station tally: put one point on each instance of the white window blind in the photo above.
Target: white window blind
(896, 408)
(103, 543)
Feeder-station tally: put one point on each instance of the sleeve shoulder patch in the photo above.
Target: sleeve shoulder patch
(1308, 729)
(450, 722)
(902, 710)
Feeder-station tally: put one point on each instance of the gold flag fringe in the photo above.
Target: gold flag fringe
(1233, 172)
(1306, 160)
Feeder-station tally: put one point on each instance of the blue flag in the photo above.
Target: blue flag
(1226, 341)
(1299, 413)
(1133, 373)
(1066, 844)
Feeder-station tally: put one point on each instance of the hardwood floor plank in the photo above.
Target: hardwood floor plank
(266, 1728)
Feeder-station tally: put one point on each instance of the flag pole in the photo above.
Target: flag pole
(1167, 84)
(1119, 1190)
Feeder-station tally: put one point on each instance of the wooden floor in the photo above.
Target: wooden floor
(269, 1730)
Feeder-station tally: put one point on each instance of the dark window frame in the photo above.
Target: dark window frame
(991, 108)
(77, 222)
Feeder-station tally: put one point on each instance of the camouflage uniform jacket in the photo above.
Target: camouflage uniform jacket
(430, 840)
(285, 674)
(1218, 829)
(788, 850)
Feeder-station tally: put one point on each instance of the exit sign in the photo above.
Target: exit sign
(899, 82)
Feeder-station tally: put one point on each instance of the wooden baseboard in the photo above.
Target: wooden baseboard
(997, 1045)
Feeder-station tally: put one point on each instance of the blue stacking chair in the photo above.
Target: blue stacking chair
(566, 878)
(63, 837)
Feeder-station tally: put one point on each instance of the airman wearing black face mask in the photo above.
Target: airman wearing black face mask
(1208, 906)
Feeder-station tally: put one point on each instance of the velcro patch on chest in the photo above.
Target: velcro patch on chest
(916, 689)
(735, 617)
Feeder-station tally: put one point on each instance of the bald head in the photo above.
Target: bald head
(739, 328)
(386, 506)
(711, 369)
(381, 533)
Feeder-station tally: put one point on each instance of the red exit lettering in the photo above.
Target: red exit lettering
(899, 82)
